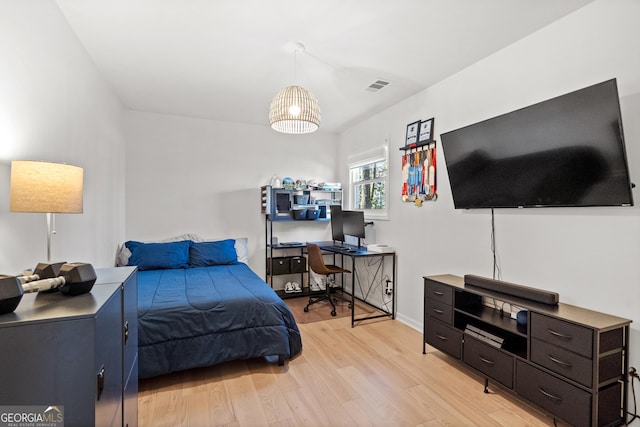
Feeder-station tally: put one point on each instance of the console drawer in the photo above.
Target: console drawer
(556, 396)
(438, 291)
(489, 360)
(566, 363)
(562, 334)
(439, 310)
(444, 338)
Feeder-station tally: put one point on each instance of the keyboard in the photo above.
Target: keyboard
(339, 248)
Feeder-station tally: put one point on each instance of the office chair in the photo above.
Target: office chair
(317, 265)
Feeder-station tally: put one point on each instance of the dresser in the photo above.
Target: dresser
(570, 361)
(127, 277)
(71, 352)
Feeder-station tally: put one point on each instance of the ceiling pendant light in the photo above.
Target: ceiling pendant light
(294, 109)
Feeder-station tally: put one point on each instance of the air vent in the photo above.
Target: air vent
(377, 85)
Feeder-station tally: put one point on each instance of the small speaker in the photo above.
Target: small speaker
(522, 317)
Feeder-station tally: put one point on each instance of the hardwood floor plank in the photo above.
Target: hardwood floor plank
(273, 402)
(219, 403)
(245, 401)
(318, 390)
(372, 375)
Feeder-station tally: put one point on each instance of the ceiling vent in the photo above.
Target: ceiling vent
(377, 85)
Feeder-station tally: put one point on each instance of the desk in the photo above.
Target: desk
(355, 254)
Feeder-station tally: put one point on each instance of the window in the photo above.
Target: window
(368, 182)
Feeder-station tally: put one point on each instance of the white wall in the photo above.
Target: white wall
(588, 255)
(187, 175)
(54, 106)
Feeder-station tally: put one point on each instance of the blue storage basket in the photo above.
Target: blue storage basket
(313, 213)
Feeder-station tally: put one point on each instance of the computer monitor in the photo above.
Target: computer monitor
(353, 224)
(337, 233)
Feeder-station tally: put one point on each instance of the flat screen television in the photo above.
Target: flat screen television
(567, 151)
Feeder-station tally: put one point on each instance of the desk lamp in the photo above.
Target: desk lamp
(45, 187)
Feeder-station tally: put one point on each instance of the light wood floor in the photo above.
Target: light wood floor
(372, 375)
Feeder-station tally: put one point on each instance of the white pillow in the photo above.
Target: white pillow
(241, 246)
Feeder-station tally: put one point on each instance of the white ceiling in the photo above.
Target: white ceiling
(226, 59)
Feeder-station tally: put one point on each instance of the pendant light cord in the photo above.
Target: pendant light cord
(295, 67)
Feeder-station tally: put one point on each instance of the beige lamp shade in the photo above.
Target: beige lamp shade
(45, 187)
(294, 110)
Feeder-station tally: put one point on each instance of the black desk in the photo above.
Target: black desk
(355, 253)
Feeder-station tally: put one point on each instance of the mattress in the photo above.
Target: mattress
(202, 316)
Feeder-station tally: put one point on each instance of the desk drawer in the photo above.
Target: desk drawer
(489, 360)
(438, 291)
(439, 310)
(562, 334)
(556, 396)
(566, 363)
(444, 338)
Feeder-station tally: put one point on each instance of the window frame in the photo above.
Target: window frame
(366, 158)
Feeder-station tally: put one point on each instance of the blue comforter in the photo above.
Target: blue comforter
(201, 316)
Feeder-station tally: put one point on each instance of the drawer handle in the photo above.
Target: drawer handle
(443, 338)
(549, 395)
(559, 335)
(126, 331)
(487, 361)
(438, 311)
(100, 382)
(438, 293)
(559, 362)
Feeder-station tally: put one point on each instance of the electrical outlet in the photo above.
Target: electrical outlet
(389, 288)
(633, 372)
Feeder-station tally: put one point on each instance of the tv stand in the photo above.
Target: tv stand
(570, 361)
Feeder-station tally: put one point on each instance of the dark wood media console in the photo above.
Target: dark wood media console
(570, 361)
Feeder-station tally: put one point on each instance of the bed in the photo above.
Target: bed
(198, 305)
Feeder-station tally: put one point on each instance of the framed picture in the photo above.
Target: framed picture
(425, 134)
(412, 133)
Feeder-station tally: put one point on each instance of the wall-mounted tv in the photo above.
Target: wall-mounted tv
(567, 151)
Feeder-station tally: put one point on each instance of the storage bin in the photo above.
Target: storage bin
(279, 265)
(313, 213)
(298, 264)
(300, 214)
(301, 199)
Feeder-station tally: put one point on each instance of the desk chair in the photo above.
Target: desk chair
(317, 265)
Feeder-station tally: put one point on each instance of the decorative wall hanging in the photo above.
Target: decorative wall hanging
(419, 163)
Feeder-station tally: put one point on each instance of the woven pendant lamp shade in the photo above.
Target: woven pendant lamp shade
(294, 110)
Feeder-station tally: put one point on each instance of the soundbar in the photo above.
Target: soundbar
(513, 289)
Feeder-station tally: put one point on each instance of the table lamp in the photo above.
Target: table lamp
(46, 188)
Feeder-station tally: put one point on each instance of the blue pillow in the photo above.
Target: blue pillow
(159, 256)
(221, 252)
